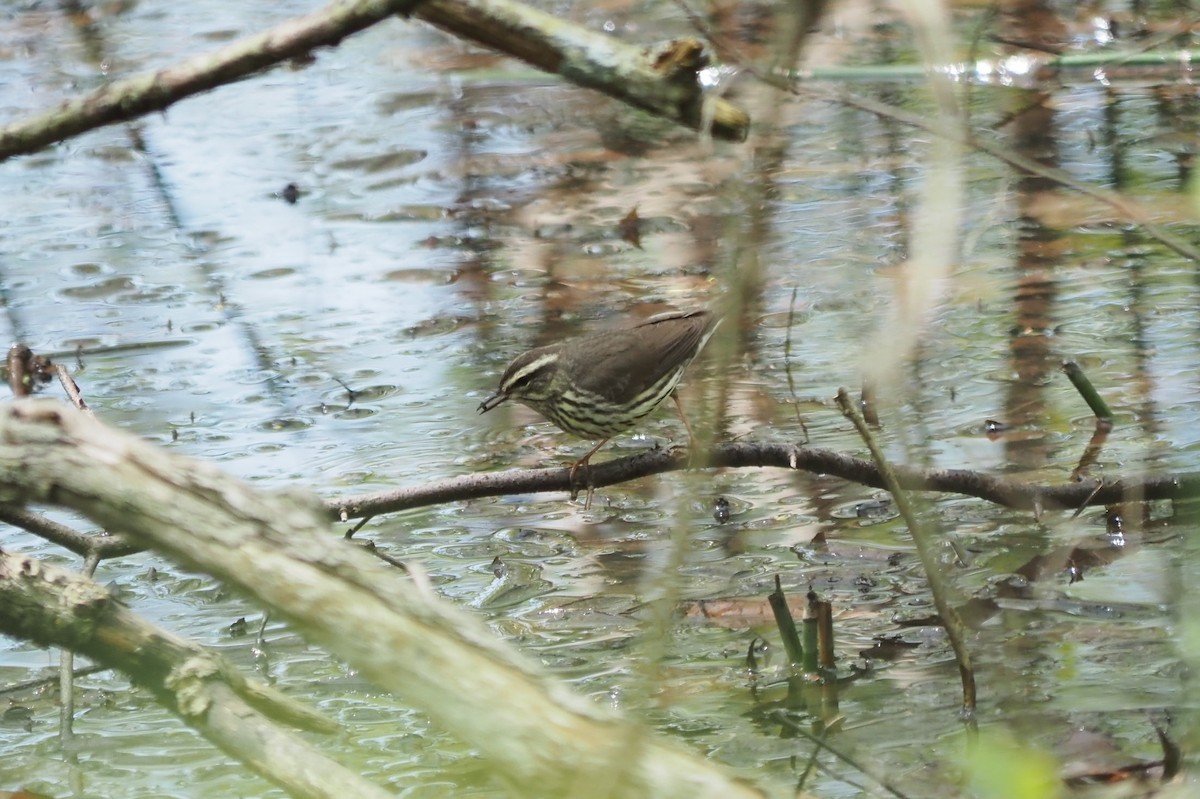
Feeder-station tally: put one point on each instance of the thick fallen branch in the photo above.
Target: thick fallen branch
(659, 82)
(539, 737)
(662, 80)
(138, 95)
(54, 607)
(1000, 490)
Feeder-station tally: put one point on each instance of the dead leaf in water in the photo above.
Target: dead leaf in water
(629, 228)
(739, 612)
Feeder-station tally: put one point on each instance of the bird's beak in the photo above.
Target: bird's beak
(492, 402)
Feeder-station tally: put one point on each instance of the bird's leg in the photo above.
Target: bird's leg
(691, 434)
(587, 503)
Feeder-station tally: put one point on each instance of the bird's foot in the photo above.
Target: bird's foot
(591, 489)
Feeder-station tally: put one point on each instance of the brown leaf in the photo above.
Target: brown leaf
(628, 227)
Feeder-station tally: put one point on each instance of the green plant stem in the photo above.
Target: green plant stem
(811, 664)
(786, 625)
(1086, 390)
(955, 630)
(825, 638)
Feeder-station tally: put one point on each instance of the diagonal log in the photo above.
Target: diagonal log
(55, 607)
(658, 82)
(277, 547)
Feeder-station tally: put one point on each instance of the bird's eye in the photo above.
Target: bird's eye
(525, 375)
(518, 382)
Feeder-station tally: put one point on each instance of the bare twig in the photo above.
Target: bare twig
(1002, 491)
(66, 674)
(951, 622)
(79, 543)
(72, 388)
(1129, 208)
(804, 84)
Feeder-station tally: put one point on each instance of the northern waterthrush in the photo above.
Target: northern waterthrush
(600, 385)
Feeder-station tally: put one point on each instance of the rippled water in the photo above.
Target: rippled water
(455, 209)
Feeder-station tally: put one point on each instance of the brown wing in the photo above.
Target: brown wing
(631, 360)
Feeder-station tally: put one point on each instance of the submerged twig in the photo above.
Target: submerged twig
(66, 674)
(1091, 453)
(787, 721)
(38, 683)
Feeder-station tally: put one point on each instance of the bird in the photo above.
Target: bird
(596, 386)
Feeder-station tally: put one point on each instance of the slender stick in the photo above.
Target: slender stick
(787, 721)
(951, 622)
(66, 674)
(72, 388)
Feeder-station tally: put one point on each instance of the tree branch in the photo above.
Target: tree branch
(277, 548)
(100, 546)
(1002, 491)
(54, 607)
(662, 81)
(139, 95)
